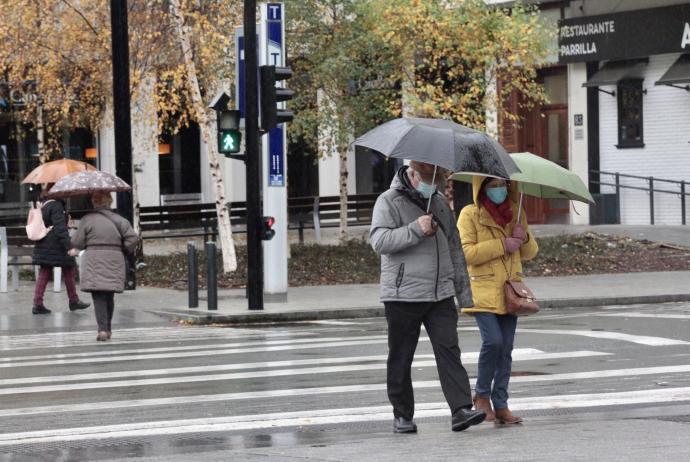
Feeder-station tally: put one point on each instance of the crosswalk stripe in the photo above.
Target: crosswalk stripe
(264, 374)
(470, 356)
(135, 335)
(326, 416)
(278, 393)
(639, 339)
(112, 355)
(204, 353)
(645, 315)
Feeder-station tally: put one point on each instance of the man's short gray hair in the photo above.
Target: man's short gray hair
(101, 200)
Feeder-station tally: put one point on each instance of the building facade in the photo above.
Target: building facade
(619, 103)
(628, 78)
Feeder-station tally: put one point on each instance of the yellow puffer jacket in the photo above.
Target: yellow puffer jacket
(487, 262)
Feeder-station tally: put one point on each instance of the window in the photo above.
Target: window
(630, 114)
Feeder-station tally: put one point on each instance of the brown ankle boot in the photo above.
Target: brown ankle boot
(484, 404)
(505, 417)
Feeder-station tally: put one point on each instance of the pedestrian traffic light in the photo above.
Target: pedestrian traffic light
(267, 232)
(271, 114)
(229, 141)
(229, 135)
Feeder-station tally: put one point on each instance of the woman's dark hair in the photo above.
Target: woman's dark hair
(46, 191)
(489, 178)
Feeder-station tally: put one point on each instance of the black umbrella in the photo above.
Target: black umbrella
(442, 143)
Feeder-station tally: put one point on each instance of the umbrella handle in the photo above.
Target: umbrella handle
(519, 209)
(433, 182)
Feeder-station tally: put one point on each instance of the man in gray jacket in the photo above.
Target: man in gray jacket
(422, 270)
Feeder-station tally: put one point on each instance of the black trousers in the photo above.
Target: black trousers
(104, 304)
(404, 323)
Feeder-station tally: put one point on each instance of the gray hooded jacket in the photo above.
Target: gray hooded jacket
(415, 267)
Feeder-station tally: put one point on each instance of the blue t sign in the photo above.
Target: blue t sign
(276, 137)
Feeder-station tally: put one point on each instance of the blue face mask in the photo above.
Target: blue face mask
(426, 190)
(497, 195)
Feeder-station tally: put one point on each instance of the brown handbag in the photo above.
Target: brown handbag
(520, 301)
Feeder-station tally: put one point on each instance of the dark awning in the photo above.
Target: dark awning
(614, 71)
(678, 73)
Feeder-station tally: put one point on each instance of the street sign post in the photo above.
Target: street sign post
(272, 53)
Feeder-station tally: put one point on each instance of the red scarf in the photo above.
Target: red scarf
(502, 214)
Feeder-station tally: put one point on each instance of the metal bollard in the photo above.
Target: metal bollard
(651, 200)
(682, 201)
(211, 276)
(192, 276)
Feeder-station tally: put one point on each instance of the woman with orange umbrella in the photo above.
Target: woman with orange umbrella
(51, 251)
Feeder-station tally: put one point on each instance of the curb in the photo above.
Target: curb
(189, 316)
(204, 317)
(604, 301)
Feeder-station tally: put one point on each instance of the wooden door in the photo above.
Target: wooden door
(547, 136)
(542, 130)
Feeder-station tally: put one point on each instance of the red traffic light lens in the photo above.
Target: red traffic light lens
(270, 221)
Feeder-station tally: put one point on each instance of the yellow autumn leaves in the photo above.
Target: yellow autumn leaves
(63, 47)
(458, 48)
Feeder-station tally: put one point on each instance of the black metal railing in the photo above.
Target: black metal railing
(649, 187)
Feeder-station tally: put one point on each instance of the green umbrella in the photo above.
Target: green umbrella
(539, 177)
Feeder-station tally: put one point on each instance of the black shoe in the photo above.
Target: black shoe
(40, 309)
(78, 305)
(465, 418)
(403, 425)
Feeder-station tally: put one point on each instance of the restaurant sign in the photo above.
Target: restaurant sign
(631, 34)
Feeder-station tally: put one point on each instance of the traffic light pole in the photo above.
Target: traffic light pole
(121, 108)
(121, 115)
(255, 281)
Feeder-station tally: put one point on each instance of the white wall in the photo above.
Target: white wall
(106, 143)
(329, 174)
(329, 160)
(666, 154)
(145, 145)
(235, 174)
(578, 159)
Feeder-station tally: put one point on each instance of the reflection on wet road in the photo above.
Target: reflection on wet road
(316, 391)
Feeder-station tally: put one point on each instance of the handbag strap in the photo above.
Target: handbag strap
(119, 231)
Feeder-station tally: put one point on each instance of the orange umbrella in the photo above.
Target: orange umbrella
(50, 172)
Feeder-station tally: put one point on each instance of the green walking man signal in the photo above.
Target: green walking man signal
(229, 141)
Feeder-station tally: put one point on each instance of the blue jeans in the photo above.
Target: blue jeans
(495, 357)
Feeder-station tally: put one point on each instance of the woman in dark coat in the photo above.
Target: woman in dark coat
(51, 252)
(104, 235)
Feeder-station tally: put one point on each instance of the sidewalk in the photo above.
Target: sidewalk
(342, 301)
(359, 301)
(148, 304)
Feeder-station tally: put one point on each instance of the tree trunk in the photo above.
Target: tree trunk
(202, 117)
(40, 134)
(342, 154)
(408, 86)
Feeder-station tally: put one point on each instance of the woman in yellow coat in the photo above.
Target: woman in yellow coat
(495, 246)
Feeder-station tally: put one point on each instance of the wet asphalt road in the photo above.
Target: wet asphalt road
(609, 383)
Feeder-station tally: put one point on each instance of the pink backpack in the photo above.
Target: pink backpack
(35, 228)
